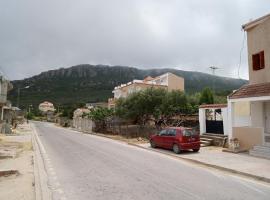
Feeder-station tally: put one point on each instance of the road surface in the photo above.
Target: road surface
(91, 167)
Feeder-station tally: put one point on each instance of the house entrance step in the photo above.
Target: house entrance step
(215, 135)
(214, 139)
(206, 142)
(206, 139)
(260, 151)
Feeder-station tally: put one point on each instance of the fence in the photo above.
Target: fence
(124, 128)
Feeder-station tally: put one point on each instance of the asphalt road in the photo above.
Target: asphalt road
(91, 167)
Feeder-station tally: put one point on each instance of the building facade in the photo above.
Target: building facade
(5, 87)
(166, 81)
(46, 107)
(249, 106)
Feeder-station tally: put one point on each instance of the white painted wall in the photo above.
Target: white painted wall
(202, 119)
(225, 120)
(242, 114)
(257, 114)
(230, 118)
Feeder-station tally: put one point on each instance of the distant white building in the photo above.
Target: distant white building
(46, 107)
(79, 112)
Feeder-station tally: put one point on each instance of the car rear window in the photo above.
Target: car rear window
(189, 132)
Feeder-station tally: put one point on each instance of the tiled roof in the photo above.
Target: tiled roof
(253, 90)
(213, 106)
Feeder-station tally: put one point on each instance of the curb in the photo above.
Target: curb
(42, 191)
(49, 187)
(232, 171)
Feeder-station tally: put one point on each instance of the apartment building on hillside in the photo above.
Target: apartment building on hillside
(168, 81)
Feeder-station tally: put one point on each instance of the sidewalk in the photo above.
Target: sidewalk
(242, 163)
(17, 157)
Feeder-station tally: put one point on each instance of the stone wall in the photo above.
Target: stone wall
(83, 124)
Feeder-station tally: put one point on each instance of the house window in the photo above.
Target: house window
(258, 61)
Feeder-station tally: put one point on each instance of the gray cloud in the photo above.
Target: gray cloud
(37, 35)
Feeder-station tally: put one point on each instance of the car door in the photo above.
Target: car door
(159, 137)
(169, 138)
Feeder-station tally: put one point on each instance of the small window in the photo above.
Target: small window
(258, 61)
(163, 133)
(171, 132)
(189, 132)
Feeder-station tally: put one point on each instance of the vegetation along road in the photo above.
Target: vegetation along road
(92, 167)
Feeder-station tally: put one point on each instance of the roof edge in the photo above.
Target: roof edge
(255, 22)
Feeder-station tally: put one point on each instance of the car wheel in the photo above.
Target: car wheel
(196, 150)
(153, 144)
(176, 149)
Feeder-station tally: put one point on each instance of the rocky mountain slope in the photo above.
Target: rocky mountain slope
(93, 83)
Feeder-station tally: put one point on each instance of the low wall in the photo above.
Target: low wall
(132, 131)
(84, 125)
(248, 136)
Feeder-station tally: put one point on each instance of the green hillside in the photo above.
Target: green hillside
(94, 83)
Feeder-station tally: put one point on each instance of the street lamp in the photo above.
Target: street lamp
(18, 95)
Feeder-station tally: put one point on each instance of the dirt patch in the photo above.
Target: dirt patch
(16, 165)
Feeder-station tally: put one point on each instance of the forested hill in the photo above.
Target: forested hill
(94, 83)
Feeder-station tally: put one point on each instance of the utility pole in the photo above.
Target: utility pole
(18, 97)
(213, 68)
(18, 94)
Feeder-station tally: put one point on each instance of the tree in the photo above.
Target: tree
(100, 115)
(154, 104)
(207, 96)
(141, 106)
(29, 115)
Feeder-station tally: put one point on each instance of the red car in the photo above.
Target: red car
(177, 139)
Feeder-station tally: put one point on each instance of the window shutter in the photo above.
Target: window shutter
(262, 60)
(254, 62)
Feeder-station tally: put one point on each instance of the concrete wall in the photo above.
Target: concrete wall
(202, 119)
(225, 120)
(242, 115)
(84, 125)
(258, 39)
(175, 82)
(257, 114)
(248, 136)
(4, 87)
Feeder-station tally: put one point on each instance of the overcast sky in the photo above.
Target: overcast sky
(38, 35)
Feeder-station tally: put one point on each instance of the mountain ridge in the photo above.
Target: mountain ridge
(91, 83)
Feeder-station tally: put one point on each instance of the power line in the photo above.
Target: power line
(240, 54)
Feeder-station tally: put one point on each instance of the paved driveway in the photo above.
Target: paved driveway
(92, 167)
